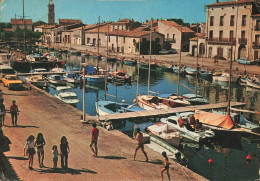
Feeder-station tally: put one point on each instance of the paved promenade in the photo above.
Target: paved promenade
(53, 118)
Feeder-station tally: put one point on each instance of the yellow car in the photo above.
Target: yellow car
(12, 82)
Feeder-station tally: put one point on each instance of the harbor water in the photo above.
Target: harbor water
(228, 154)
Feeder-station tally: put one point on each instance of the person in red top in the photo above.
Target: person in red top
(14, 112)
(94, 139)
(140, 144)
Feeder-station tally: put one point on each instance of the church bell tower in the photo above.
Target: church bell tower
(51, 15)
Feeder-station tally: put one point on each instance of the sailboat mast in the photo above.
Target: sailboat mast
(138, 66)
(150, 56)
(105, 96)
(98, 40)
(117, 45)
(179, 69)
(197, 56)
(230, 74)
(24, 32)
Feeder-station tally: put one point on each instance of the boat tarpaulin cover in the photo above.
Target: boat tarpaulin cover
(213, 119)
(90, 70)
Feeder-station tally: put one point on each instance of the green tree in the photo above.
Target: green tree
(179, 21)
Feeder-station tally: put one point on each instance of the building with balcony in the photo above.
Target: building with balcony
(172, 32)
(233, 23)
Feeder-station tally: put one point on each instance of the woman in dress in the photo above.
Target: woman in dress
(39, 143)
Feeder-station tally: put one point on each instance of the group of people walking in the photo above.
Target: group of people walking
(31, 144)
(39, 143)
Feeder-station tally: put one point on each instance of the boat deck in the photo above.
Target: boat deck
(158, 112)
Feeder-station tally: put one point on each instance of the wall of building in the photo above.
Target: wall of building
(226, 11)
(28, 27)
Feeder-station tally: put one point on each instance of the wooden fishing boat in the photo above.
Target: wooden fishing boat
(254, 83)
(149, 102)
(120, 76)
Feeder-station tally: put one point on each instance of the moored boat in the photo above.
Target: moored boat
(165, 132)
(111, 107)
(120, 76)
(180, 122)
(205, 74)
(72, 78)
(254, 83)
(224, 77)
(38, 80)
(176, 101)
(189, 71)
(195, 99)
(57, 80)
(67, 96)
(149, 102)
(176, 70)
(94, 75)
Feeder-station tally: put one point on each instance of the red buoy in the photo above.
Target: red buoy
(248, 157)
(210, 161)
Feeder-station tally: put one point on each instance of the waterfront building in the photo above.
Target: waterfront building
(172, 32)
(127, 42)
(91, 34)
(201, 27)
(125, 24)
(21, 24)
(51, 13)
(201, 41)
(233, 22)
(47, 36)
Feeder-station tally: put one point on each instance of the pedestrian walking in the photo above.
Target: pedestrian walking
(29, 150)
(39, 143)
(94, 139)
(55, 154)
(166, 165)
(64, 150)
(14, 112)
(140, 144)
(2, 112)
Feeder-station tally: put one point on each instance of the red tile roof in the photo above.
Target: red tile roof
(20, 21)
(123, 21)
(102, 28)
(183, 29)
(200, 35)
(70, 21)
(126, 33)
(230, 3)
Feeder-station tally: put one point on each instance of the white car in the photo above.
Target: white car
(90, 44)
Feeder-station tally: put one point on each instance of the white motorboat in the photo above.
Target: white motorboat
(38, 80)
(57, 69)
(175, 101)
(72, 78)
(165, 132)
(67, 96)
(224, 77)
(57, 80)
(180, 123)
(254, 83)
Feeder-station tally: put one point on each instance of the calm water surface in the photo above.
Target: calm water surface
(228, 154)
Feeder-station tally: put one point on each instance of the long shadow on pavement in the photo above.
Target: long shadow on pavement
(22, 126)
(10, 172)
(112, 157)
(156, 162)
(17, 158)
(62, 171)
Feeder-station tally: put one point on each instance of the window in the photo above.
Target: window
(173, 37)
(243, 20)
(167, 36)
(211, 34)
(221, 21)
(211, 21)
(220, 52)
(231, 35)
(108, 38)
(257, 25)
(220, 35)
(232, 20)
(124, 39)
(88, 40)
(243, 34)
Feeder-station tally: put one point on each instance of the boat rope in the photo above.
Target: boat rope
(185, 172)
(195, 151)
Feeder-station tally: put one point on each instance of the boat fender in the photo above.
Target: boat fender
(248, 159)
(210, 161)
(134, 101)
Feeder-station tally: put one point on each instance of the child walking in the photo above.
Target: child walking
(64, 150)
(55, 155)
(166, 165)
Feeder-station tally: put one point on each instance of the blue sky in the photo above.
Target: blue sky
(109, 10)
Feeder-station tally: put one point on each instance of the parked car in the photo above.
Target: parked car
(12, 82)
(244, 61)
(90, 44)
(164, 51)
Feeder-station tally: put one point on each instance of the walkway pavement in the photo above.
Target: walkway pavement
(43, 113)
